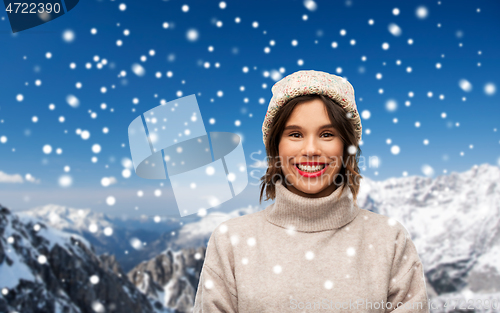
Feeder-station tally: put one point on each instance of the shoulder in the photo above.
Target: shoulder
(389, 235)
(382, 226)
(230, 230)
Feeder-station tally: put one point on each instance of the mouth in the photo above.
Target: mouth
(313, 171)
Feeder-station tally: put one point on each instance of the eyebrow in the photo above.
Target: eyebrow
(298, 127)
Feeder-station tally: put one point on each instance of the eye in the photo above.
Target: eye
(292, 134)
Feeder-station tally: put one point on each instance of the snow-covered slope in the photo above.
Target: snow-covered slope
(117, 236)
(60, 273)
(190, 235)
(65, 218)
(85, 220)
(197, 233)
(454, 221)
(171, 277)
(120, 236)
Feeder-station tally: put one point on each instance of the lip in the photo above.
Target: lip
(306, 174)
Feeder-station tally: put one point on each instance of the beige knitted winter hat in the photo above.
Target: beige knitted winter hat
(312, 82)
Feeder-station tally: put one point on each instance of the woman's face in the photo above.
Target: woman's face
(305, 140)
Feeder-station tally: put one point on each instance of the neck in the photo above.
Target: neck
(312, 214)
(323, 193)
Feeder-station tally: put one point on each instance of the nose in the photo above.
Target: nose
(311, 148)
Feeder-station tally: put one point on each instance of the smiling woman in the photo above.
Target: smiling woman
(313, 243)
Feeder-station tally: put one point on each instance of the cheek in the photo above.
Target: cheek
(336, 152)
(336, 158)
(286, 155)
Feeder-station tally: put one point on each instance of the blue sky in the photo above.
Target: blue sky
(436, 63)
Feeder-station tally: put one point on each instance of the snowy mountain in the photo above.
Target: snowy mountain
(80, 220)
(122, 237)
(190, 236)
(197, 233)
(171, 277)
(131, 240)
(43, 269)
(454, 221)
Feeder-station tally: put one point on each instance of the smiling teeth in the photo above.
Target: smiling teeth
(311, 169)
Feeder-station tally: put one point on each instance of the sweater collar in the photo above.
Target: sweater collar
(304, 214)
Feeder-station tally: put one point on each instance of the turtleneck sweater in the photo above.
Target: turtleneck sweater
(304, 254)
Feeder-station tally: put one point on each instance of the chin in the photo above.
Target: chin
(315, 190)
(311, 188)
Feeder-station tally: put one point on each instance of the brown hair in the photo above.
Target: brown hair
(345, 129)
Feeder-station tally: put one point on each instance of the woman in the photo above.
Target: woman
(313, 248)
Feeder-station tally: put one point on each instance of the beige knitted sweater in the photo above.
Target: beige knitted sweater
(310, 255)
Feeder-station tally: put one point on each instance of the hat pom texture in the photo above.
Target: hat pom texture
(312, 82)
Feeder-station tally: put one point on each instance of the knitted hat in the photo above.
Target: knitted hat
(312, 82)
